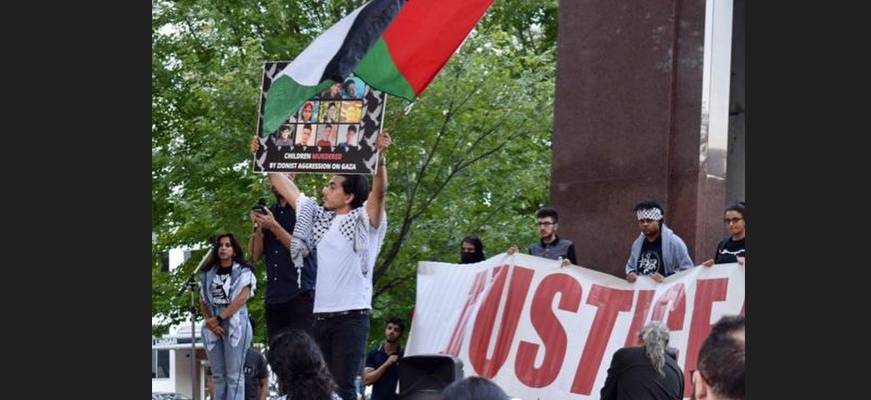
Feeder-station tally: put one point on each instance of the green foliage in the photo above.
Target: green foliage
(471, 156)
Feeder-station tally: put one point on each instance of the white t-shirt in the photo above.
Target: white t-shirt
(341, 284)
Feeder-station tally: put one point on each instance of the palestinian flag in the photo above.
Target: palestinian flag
(418, 43)
(330, 58)
(419, 37)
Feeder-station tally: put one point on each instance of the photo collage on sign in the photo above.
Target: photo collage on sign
(331, 118)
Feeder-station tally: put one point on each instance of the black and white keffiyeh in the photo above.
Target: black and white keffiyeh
(313, 222)
(301, 246)
(650, 213)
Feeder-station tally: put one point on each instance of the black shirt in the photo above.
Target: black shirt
(728, 250)
(384, 388)
(632, 377)
(255, 370)
(281, 284)
(650, 259)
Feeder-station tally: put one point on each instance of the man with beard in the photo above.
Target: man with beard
(381, 371)
(550, 246)
(471, 250)
(657, 251)
(289, 287)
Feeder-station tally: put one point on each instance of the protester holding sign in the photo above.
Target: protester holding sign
(347, 232)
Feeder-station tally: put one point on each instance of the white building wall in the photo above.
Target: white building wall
(165, 384)
(183, 372)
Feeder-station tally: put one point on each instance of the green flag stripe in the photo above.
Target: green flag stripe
(377, 70)
(283, 98)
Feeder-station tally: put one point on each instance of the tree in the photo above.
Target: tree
(470, 156)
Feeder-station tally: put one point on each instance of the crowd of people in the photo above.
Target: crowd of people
(320, 260)
(657, 252)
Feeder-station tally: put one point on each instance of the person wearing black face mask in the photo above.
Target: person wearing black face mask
(471, 250)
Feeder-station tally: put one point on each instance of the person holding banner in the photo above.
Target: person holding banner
(226, 284)
(657, 251)
(471, 250)
(732, 248)
(645, 372)
(347, 232)
(550, 245)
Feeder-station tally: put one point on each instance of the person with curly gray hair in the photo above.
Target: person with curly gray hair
(645, 372)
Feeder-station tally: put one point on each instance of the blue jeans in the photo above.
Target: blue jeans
(226, 362)
(342, 340)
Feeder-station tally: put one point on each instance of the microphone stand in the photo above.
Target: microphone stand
(192, 284)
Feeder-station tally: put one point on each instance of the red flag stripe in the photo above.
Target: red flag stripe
(425, 34)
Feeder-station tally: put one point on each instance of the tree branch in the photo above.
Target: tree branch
(393, 283)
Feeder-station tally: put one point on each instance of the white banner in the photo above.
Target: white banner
(550, 332)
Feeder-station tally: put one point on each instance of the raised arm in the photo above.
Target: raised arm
(255, 242)
(375, 203)
(285, 187)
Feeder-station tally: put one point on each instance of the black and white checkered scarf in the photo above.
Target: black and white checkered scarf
(313, 222)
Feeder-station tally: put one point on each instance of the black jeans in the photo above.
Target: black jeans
(294, 314)
(342, 340)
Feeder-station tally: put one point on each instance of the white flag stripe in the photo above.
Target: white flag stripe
(308, 67)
